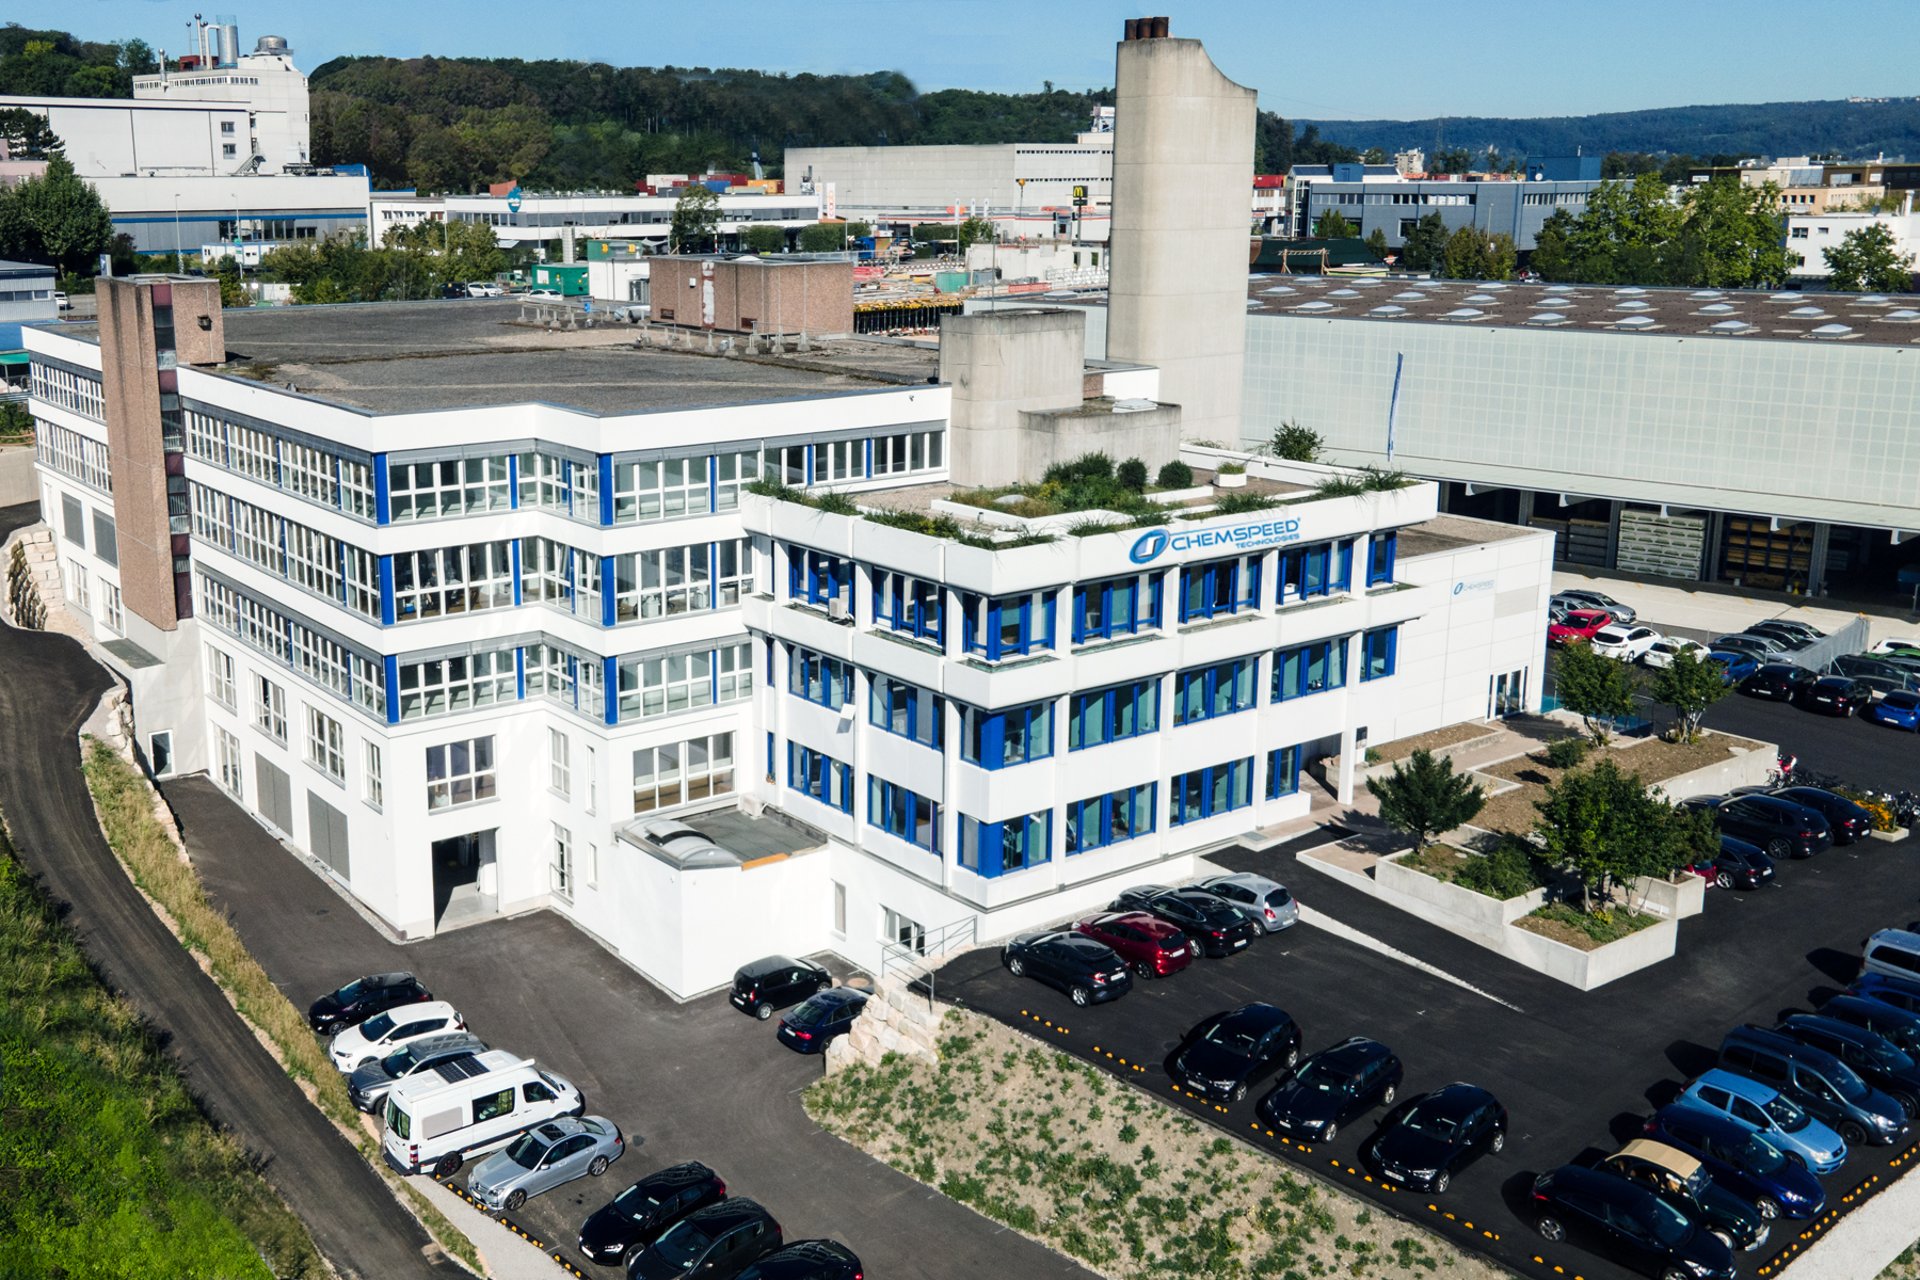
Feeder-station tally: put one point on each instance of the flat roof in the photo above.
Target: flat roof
(1736, 314)
(1450, 533)
(409, 357)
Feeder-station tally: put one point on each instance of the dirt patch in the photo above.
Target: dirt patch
(1434, 740)
(1437, 860)
(1039, 1141)
(1654, 761)
(1563, 923)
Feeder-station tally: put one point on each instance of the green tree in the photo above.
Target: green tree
(1334, 225)
(1604, 827)
(1867, 261)
(1553, 255)
(1295, 443)
(974, 231)
(1731, 236)
(1374, 155)
(1424, 797)
(1689, 686)
(763, 239)
(1473, 254)
(136, 57)
(823, 237)
(55, 218)
(1451, 160)
(1377, 244)
(27, 135)
(1593, 687)
(696, 215)
(233, 293)
(1425, 247)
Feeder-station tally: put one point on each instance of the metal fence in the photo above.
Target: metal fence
(1820, 655)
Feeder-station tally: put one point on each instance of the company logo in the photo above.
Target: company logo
(1458, 587)
(1148, 546)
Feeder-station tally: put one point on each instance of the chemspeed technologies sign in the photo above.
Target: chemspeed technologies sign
(1254, 536)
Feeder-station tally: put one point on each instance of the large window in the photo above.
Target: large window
(996, 848)
(450, 580)
(1310, 668)
(682, 772)
(555, 574)
(323, 660)
(675, 580)
(732, 473)
(559, 763)
(818, 578)
(1006, 626)
(460, 773)
(363, 582)
(665, 684)
(372, 782)
(1203, 693)
(1316, 570)
(313, 560)
(1219, 587)
(996, 739)
(908, 710)
(455, 683)
(448, 487)
(1378, 651)
(562, 871)
(838, 461)
(1381, 549)
(270, 709)
(309, 472)
(1283, 772)
(326, 746)
(220, 686)
(256, 537)
(226, 750)
(1118, 816)
(659, 488)
(785, 463)
(1116, 607)
(1210, 792)
(253, 453)
(1108, 715)
(908, 451)
(570, 679)
(818, 678)
(899, 812)
(909, 604)
(560, 485)
(816, 774)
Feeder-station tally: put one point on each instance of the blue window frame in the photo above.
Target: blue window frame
(1202, 693)
(906, 603)
(1210, 792)
(1378, 650)
(1317, 570)
(1006, 626)
(899, 812)
(1219, 587)
(1283, 772)
(1118, 816)
(997, 739)
(906, 709)
(818, 678)
(816, 774)
(818, 578)
(1108, 715)
(1381, 549)
(1310, 668)
(1116, 606)
(995, 848)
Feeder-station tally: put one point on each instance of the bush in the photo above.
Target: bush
(1295, 443)
(1175, 475)
(1513, 868)
(1132, 473)
(1231, 469)
(1564, 753)
(1240, 503)
(1088, 466)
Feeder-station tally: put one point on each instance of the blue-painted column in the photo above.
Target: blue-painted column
(610, 682)
(606, 489)
(513, 550)
(391, 663)
(382, 491)
(386, 590)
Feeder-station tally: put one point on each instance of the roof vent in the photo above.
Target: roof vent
(1365, 284)
(1314, 306)
(1343, 293)
(1905, 315)
(1832, 331)
(1464, 313)
(1479, 297)
(1716, 309)
(1545, 319)
(1631, 291)
(1280, 288)
(1388, 310)
(1806, 313)
(1411, 295)
(1706, 295)
(1872, 300)
(1730, 327)
(1633, 304)
(1635, 322)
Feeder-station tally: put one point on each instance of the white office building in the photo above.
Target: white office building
(536, 217)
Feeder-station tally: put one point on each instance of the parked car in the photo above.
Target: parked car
(774, 982)
(1893, 953)
(1663, 651)
(807, 1260)
(1860, 664)
(1783, 828)
(361, 999)
(454, 289)
(1765, 648)
(1846, 820)
(1332, 1088)
(1628, 642)
(436, 1118)
(1627, 1224)
(1738, 865)
(714, 1243)
(484, 289)
(642, 1213)
(1230, 1052)
(1820, 1083)
(544, 1157)
(1266, 901)
(1762, 1109)
(1151, 947)
(544, 294)
(61, 302)
(1580, 598)
(1741, 1160)
(1790, 634)
(368, 1086)
(1685, 1183)
(1873, 1057)
(812, 1027)
(1781, 681)
(1734, 667)
(384, 1032)
(1899, 1027)
(1899, 709)
(1905, 647)
(1088, 971)
(1899, 993)
(1433, 1140)
(1578, 625)
(1217, 926)
(1837, 696)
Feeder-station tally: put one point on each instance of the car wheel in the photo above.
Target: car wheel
(1293, 1057)
(1779, 850)
(514, 1200)
(1723, 881)
(1441, 1181)
(1674, 1273)
(1499, 1142)
(1142, 969)
(1551, 1229)
(1080, 996)
(446, 1166)
(1852, 1134)
(1239, 1092)
(598, 1167)
(1016, 966)
(763, 1011)
(1387, 1095)
(822, 985)
(1769, 1208)
(1331, 1132)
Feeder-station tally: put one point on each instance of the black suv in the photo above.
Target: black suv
(1089, 972)
(1333, 1087)
(1626, 1223)
(642, 1213)
(1230, 1051)
(1825, 1087)
(1438, 1136)
(714, 1243)
(360, 999)
(1782, 828)
(775, 982)
(807, 1260)
(1216, 926)
(1781, 680)
(1847, 820)
(1873, 1057)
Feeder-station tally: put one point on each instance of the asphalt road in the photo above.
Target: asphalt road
(47, 688)
(1576, 1071)
(695, 1081)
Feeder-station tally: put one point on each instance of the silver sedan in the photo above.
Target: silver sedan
(1266, 902)
(545, 1156)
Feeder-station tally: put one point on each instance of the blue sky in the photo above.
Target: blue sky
(1383, 59)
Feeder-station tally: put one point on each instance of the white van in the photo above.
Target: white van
(1893, 953)
(438, 1117)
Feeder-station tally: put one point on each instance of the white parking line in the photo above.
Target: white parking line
(1321, 920)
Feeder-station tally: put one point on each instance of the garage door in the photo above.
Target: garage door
(273, 794)
(327, 828)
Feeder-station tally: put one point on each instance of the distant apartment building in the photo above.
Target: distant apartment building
(1380, 198)
(536, 217)
(1810, 235)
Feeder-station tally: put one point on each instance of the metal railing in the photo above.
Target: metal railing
(918, 961)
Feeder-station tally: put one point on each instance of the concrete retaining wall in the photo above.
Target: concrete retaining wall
(1747, 769)
(894, 1020)
(1589, 969)
(1472, 915)
(1674, 899)
(17, 484)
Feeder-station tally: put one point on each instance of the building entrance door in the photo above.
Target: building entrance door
(465, 880)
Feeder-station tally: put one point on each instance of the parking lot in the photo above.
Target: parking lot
(1576, 1071)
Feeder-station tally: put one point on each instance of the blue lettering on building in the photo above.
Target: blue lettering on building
(1241, 537)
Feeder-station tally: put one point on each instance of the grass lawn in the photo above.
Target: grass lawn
(1057, 1150)
(107, 1166)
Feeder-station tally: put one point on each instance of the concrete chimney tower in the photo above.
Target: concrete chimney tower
(1182, 168)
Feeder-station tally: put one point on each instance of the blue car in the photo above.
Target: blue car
(819, 1018)
(1897, 992)
(1734, 667)
(1901, 709)
(1740, 1160)
(1764, 1111)
(1900, 1026)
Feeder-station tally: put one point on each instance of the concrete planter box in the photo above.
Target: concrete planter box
(1747, 769)
(1589, 969)
(1674, 899)
(1230, 480)
(1472, 915)
(1891, 837)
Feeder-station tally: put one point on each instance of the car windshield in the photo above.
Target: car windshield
(1227, 1036)
(1323, 1077)
(1759, 1156)
(1888, 1058)
(1670, 1226)
(1785, 1114)
(812, 1013)
(636, 1202)
(683, 1245)
(1279, 898)
(1432, 1123)
(1851, 1086)
(351, 992)
(527, 1150)
(398, 1063)
(376, 1027)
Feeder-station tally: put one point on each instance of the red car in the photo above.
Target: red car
(1579, 624)
(1151, 947)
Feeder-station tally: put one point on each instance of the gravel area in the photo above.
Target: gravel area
(1654, 760)
(1433, 740)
